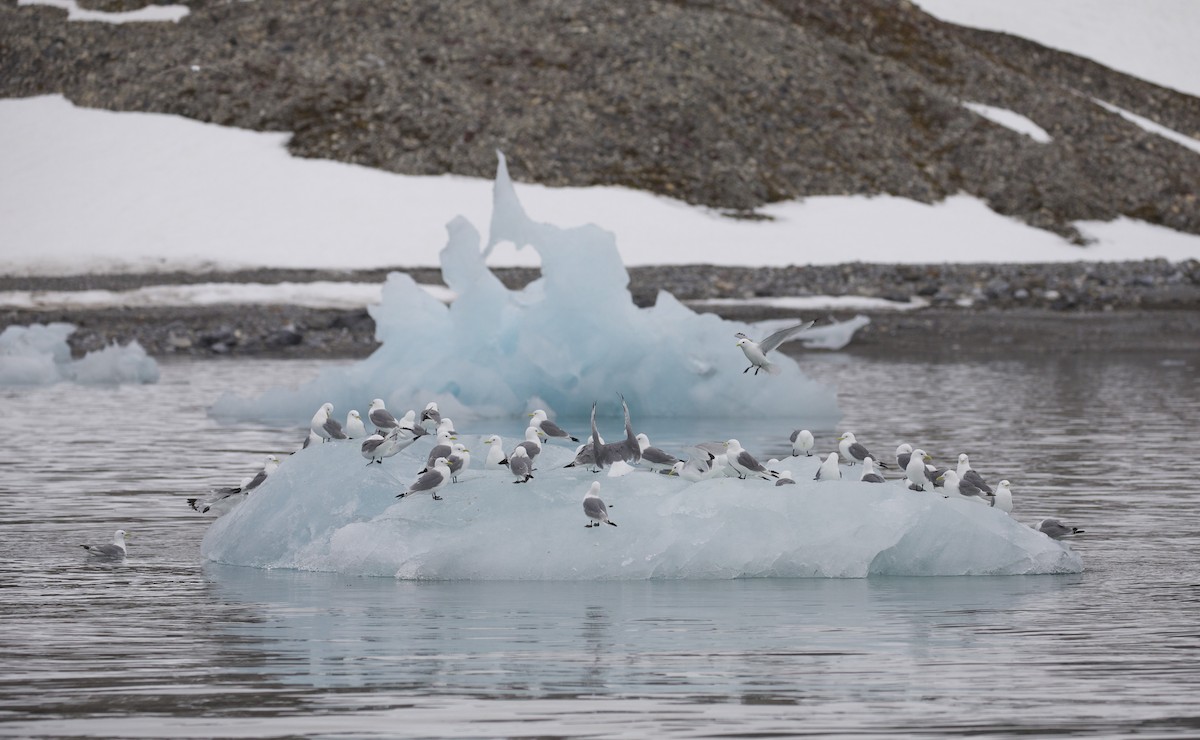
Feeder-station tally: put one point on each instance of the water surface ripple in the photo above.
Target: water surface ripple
(166, 645)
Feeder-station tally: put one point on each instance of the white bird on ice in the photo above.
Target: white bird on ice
(595, 509)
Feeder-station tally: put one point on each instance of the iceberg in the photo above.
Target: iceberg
(38, 354)
(324, 510)
(570, 337)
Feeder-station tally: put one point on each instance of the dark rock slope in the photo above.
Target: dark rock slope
(726, 103)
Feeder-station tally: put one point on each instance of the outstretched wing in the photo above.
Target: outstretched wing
(782, 336)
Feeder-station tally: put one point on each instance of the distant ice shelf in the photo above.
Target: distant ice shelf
(325, 510)
(38, 354)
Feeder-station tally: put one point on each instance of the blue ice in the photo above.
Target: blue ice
(565, 340)
(38, 354)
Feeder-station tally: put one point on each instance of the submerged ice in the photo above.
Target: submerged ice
(324, 510)
(38, 354)
(565, 340)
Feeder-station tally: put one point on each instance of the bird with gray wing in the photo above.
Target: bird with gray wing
(756, 352)
(114, 551)
(594, 508)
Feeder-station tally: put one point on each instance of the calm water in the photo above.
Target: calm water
(166, 645)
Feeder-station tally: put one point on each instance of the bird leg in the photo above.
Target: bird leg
(437, 497)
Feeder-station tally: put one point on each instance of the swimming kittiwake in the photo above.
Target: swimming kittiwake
(756, 352)
(113, 551)
(1056, 530)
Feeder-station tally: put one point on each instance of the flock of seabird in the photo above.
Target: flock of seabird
(447, 458)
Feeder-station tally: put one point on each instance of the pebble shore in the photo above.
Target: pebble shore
(1132, 306)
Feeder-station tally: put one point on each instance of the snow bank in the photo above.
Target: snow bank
(568, 339)
(38, 354)
(325, 510)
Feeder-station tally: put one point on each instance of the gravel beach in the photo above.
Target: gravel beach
(1125, 306)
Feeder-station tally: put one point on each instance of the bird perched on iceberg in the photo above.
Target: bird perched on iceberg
(431, 481)
(520, 465)
(324, 425)
(222, 494)
(1003, 498)
(660, 461)
(968, 474)
(549, 428)
(953, 484)
(853, 451)
(829, 469)
(802, 441)
(744, 463)
(868, 472)
(595, 509)
(354, 427)
(756, 352)
(113, 551)
(915, 471)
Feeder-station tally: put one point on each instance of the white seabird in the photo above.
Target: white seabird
(221, 494)
(756, 352)
(354, 427)
(495, 454)
(744, 463)
(549, 428)
(853, 451)
(829, 470)
(903, 455)
(458, 461)
(657, 460)
(113, 551)
(520, 465)
(953, 484)
(802, 441)
(915, 470)
(1056, 530)
(1003, 498)
(382, 418)
(324, 425)
(431, 481)
(595, 509)
(868, 471)
(967, 474)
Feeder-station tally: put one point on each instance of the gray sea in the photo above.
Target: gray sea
(166, 645)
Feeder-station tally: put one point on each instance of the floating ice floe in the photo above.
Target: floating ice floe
(567, 339)
(38, 354)
(324, 510)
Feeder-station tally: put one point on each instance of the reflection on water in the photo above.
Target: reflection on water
(165, 645)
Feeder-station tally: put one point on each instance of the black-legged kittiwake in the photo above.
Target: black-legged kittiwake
(802, 441)
(852, 450)
(968, 474)
(382, 418)
(354, 428)
(868, 471)
(324, 425)
(520, 465)
(549, 428)
(744, 463)
(756, 352)
(829, 470)
(903, 455)
(655, 458)
(459, 460)
(431, 481)
(1056, 530)
(594, 508)
(495, 455)
(1003, 498)
(112, 551)
(952, 484)
(915, 470)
